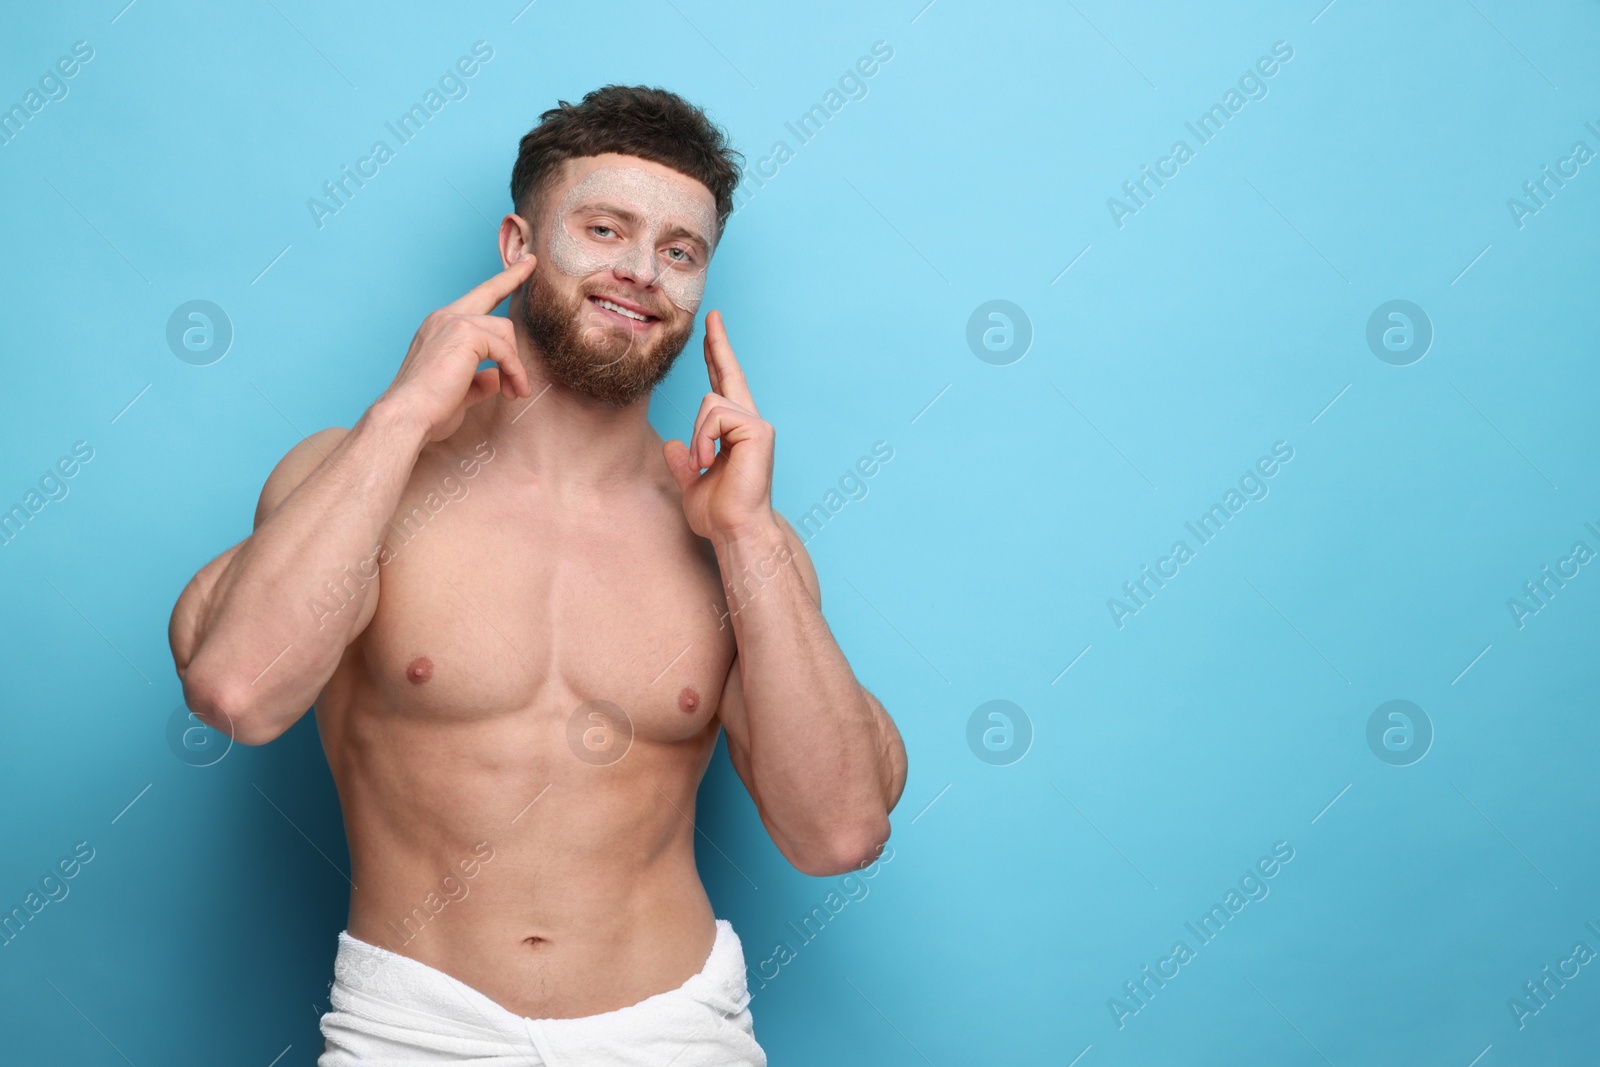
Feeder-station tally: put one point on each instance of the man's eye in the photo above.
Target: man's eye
(600, 226)
(682, 255)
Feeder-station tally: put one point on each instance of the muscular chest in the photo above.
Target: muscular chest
(503, 604)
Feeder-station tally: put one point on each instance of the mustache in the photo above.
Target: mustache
(537, 286)
(627, 301)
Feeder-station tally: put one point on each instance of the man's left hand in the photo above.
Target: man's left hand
(729, 492)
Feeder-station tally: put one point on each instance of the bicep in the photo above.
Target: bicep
(891, 750)
(191, 614)
(735, 726)
(188, 615)
(295, 467)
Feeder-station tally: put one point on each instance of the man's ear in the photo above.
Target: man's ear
(516, 239)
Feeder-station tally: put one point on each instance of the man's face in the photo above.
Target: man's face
(623, 246)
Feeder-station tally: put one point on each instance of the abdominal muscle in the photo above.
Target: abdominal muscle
(484, 849)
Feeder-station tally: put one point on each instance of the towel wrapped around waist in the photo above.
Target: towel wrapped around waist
(390, 1010)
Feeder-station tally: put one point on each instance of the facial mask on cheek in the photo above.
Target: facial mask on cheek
(658, 202)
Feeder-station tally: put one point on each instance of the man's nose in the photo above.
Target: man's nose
(637, 262)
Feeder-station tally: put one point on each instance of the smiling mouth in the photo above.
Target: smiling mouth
(631, 317)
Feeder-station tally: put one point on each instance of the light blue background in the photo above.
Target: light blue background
(1226, 315)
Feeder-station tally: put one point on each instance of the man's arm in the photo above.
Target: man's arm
(820, 756)
(249, 640)
(249, 647)
(817, 752)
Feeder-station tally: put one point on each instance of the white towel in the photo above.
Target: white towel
(393, 1011)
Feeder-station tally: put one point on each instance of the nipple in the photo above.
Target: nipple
(688, 699)
(420, 670)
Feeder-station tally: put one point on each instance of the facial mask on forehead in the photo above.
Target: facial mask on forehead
(658, 203)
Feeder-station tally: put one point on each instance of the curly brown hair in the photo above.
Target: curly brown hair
(650, 123)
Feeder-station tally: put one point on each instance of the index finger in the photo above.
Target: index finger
(727, 377)
(486, 297)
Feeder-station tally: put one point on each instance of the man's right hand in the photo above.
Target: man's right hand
(439, 378)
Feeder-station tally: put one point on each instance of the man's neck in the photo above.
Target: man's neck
(567, 440)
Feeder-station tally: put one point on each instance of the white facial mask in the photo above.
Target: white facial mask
(659, 204)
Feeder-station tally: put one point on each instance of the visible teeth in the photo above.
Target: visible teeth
(619, 309)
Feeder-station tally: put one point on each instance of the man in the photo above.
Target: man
(522, 619)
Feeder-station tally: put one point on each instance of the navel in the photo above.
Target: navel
(420, 670)
(688, 699)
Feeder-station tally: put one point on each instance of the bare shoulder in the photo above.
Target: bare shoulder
(189, 614)
(294, 467)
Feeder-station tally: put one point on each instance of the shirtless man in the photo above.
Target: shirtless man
(522, 618)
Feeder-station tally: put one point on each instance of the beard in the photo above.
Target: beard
(583, 350)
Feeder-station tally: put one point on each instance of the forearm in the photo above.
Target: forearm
(815, 744)
(270, 631)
